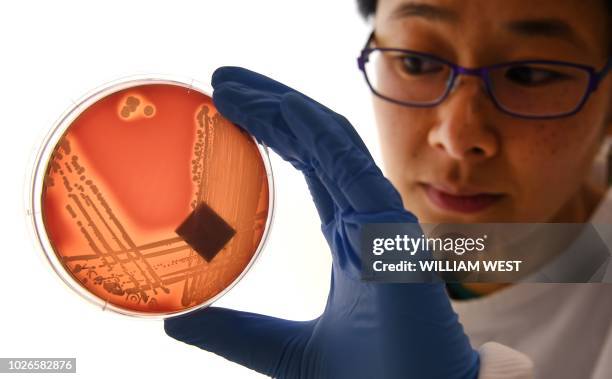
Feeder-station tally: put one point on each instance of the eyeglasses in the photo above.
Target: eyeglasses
(537, 89)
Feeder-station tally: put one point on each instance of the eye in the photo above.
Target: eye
(533, 75)
(419, 65)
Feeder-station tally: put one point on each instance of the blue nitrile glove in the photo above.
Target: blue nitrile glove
(368, 330)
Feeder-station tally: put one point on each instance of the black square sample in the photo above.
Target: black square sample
(205, 231)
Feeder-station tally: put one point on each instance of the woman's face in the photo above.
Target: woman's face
(466, 161)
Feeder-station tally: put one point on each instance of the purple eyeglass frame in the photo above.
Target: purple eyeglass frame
(595, 77)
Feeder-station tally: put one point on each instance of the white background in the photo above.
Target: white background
(53, 52)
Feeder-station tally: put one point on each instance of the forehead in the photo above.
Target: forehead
(581, 23)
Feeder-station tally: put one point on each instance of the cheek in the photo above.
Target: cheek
(549, 161)
(536, 158)
(562, 150)
(403, 137)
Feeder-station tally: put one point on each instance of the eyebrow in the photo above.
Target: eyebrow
(546, 27)
(431, 12)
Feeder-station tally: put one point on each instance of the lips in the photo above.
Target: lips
(464, 200)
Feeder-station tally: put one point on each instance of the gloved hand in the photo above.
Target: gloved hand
(367, 330)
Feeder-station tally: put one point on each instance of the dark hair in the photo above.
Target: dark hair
(367, 8)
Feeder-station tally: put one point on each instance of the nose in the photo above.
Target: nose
(462, 130)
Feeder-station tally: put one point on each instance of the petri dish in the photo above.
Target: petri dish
(148, 202)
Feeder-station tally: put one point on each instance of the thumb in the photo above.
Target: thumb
(269, 345)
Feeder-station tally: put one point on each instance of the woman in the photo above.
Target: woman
(513, 142)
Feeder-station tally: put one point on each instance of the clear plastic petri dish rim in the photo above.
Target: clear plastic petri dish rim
(40, 166)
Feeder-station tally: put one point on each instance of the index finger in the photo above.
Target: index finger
(263, 83)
